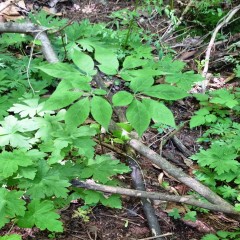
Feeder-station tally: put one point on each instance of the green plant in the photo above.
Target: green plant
(219, 163)
(45, 143)
(222, 235)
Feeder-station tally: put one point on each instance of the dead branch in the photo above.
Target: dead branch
(224, 21)
(179, 174)
(190, 200)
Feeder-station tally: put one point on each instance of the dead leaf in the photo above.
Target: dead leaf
(10, 10)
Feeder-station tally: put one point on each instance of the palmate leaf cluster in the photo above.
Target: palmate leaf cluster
(219, 163)
(45, 143)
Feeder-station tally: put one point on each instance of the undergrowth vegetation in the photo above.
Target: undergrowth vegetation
(52, 114)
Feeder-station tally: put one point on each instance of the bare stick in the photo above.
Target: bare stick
(89, 184)
(223, 22)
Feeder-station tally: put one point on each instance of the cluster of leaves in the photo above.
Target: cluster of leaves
(219, 163)
(46, 143)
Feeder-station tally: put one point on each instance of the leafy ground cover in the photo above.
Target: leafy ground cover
(56, 125)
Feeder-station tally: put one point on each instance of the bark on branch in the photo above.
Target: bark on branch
(89, 184)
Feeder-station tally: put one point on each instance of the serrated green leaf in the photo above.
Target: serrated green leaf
(122, 98)
(190, 216)
(41, 214)
(174, 213)
(11, 161)
(78, 113)
(101, 111)
(167, 92)
(11, 205)
(85, 146)
(113, 201)
(31, 107)
(138, 116)
(102, 168)
(210, 237)
(197, 120)
(48, 180)
(12, 132)
(91, 197)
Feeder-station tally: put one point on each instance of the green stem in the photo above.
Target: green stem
(131, 24)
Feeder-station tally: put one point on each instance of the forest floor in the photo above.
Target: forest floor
(129, 223)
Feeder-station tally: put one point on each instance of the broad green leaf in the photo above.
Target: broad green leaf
(83, 61)
(101, 111)
(122, 98)
(167, 92)
(11, 237)
(11, 161)
(159, 112)
(60, 70)
(77, 113)
(133, 62)
(61, 99)
(99, 92)
(109, 70)
(108, 60)
(11, 205)
(140, 84)
(138, 116)
(42, 215)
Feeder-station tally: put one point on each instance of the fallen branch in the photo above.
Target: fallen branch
(36, 31)
(179, 174)
(190, 200)
(224, 21)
